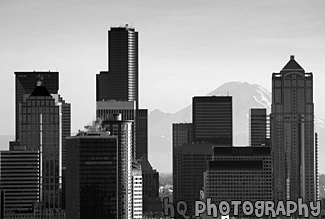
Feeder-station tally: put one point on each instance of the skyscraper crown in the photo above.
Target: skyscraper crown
(292, 65)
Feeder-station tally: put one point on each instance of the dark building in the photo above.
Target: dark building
(212, 119)
(292, 134)
(239, 173)
(129, 112)
(92, 176)
(257, 127)
(182, 134)
(141, 131)
(117, 92)
(150, 184)
(20, 180)
(25, 84)
(121, 81)
(44, 123)
(191, 163)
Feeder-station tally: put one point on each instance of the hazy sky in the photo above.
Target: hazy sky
(186, 47)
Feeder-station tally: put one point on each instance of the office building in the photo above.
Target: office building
(150, 184)
(120, 84)
(93, 176)
(182, 134)
(123, 130)
(44, 123)
(258, 127)
(141, 134)
(128, 111)
(136, 191)
(25, 84)
(20, 180)
(292, 134)
(191, 163)
(239, 173)
(121, 81)
(117, 92)
(212, 119)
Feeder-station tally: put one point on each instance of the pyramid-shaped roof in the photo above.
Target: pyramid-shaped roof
(292, 65)
(40, 90)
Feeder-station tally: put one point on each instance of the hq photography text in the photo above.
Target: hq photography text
(224, 209)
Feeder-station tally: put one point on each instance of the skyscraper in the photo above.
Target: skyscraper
(117, 92)
(182, 134)
(120, 84)
(136, 191)
(292, 134)
(44, 123)
(25, 84)
(20, 179)
(257, 127)
(212, 119)
(92, 176)
(121, 81)
(122, 129)
(239, 173)
(191, 163)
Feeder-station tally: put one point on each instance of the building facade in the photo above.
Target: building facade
(191, 163)
(117, 92)
(292, 134)
(20, 180)
(212, 119)
(25, 84)
(44, 123)
(182, 134)
(122, 129)
(136, 191)
(121, 81)
(257, 127)
(239, 173)
(92, 176)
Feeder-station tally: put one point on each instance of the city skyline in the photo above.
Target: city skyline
(70, 44)
(191, 62)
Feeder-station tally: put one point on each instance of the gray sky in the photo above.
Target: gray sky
(187, 47)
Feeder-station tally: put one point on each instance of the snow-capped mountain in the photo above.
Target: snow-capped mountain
(244, 97)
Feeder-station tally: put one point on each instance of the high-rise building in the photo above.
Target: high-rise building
(150, 188)
(20, 180)
(257, 127)
(182, 134)
(141, 134)
(191, 163)
(121, 81)
(123, 130)
(25, 84)
(44, 123)
(136, 191)
(117, 92)
(129, 112)
(239, 173)
(212, 119)
(93, 176)
(292, 134)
